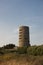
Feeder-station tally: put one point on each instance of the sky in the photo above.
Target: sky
(15, 13)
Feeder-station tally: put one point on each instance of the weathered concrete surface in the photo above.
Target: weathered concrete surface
(24, 39)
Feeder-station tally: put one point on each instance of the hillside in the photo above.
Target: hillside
(32, 55)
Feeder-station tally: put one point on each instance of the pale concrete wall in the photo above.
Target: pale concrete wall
(24, 39)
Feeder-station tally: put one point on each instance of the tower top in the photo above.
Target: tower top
(24, 26)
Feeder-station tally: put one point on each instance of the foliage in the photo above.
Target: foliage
(22, 50)
(32, 55)
(35, 50)
(31, 50)
(9, 46)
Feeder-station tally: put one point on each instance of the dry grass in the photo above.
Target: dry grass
(20, 59)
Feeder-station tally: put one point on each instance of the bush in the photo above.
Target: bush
(9, 46)
(35, 50)
(39, 50)
(22, 50)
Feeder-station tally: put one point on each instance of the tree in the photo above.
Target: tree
(9, 46)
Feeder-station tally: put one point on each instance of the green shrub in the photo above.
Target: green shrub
(22, 50)
(35, 50)
(9, 46)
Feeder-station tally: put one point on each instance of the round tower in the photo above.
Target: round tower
(24, 39)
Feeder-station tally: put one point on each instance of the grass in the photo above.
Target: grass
(21, 59)
(33, 56)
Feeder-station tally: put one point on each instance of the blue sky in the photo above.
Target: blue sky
(14, 13)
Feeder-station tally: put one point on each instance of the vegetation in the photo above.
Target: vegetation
(32, 55)
(31, 50)
(22, 50)
(20, 59)
(35, 50)
(9, 46)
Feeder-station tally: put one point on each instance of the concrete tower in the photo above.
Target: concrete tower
(24, 39)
